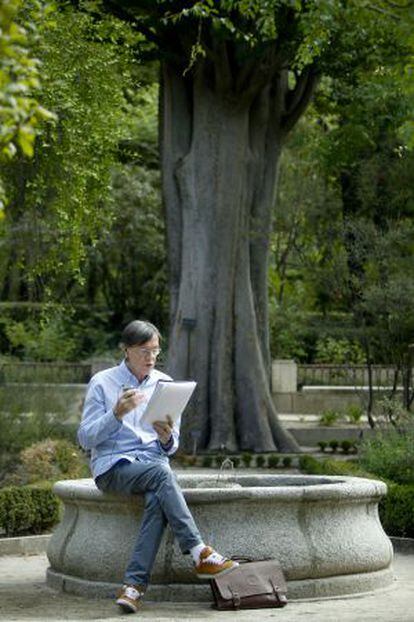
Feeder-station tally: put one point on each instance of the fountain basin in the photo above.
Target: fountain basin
(324, 530)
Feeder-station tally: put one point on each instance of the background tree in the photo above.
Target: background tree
(351, 253)
(236, 77)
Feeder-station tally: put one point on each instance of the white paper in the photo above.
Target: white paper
(169, 398)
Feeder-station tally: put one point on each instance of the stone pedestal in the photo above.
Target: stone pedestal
(284, 376)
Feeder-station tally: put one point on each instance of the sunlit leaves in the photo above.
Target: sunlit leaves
(20, 112)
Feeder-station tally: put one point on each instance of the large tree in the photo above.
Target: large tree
(236, 77)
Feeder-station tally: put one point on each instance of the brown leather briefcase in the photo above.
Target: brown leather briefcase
(252, 585)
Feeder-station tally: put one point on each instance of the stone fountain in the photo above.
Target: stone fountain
(324, 530)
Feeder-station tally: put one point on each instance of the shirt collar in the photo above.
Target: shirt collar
(129, 377)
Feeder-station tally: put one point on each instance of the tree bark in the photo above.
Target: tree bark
(219, 160)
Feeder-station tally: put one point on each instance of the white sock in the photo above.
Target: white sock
(196, 550)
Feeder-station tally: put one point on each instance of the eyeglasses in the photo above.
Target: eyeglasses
(149, 351)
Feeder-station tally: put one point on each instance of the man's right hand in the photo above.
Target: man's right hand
(129, 400)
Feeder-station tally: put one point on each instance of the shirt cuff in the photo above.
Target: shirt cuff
(167, 446)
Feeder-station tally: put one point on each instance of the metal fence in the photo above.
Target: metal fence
(345, 375)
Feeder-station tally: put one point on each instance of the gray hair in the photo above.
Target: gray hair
(138, 332)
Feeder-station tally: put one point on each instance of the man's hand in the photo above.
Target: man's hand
(164, 430)
(129, 400)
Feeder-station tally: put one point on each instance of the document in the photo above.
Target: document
(169, 398)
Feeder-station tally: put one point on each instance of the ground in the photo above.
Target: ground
(24, 596)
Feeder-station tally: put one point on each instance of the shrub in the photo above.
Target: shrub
(235, 460)
(397, 510)
(322, 445)
(338, 351)
(27, 509)
(187, 460)
(329, 417)
(260, 461)
(333, 444)
(220, 459)
(287, 461)
(273, 461)
(246, 458)
(327, 466)
(346, 446)
(354, 413)
(51, 460)
(390, 454)
(20, 430)
(207, 461)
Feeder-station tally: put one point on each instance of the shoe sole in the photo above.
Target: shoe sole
(216, 574)
(126, 606)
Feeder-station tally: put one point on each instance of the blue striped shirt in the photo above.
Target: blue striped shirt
(110, 439)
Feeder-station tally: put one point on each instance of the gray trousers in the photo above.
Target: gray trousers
(164, 502)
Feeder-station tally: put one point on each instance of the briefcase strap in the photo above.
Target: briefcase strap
(280, 596)
(235, 598)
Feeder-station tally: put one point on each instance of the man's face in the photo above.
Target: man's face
(141, 359)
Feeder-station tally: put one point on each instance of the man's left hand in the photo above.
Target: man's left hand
(164, 430)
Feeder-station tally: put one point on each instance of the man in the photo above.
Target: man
(130, 457)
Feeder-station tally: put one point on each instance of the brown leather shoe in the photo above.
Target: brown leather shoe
(130, 597)
(211, 564)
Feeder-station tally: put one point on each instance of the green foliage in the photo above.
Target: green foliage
(273, 461)
(20, 110)
(48, 460)
(322, 445)
(119, 267)
(329, 417)
(57, 334)
(27, 509)
(338, 351)
(333, 444)
(207, 461)
(287, 461)
(235, 460)
(397, 510)
(354, 413)
(187, 460)
(290, 336)
(20, 430)
(346, 446)
(84, 77)
(260, 461)
(246, 458)
(219, 460)
(390, 410)
(46, 341)
(390, 454)
(329, 466)
(339, 234)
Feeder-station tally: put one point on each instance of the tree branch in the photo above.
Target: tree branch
(222, 66)
(299, 98)
(260, 73)
(378, 9)
(113, 7)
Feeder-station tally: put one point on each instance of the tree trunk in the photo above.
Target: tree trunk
(220, 160)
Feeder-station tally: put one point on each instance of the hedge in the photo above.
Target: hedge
(33, 508)
(396, 509)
